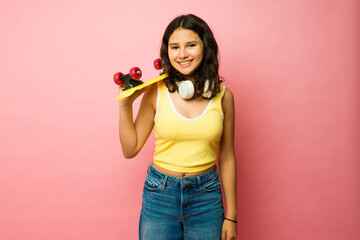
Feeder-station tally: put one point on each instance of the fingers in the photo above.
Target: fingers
(130, 99)
(137, 93)
(227, 236)
(223, 235)
(121, 86)
(229, 231)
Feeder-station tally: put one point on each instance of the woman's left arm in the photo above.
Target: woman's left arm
(227, 166)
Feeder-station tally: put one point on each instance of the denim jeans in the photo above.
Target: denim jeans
(188, 208)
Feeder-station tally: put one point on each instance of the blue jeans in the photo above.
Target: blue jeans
(181, 208)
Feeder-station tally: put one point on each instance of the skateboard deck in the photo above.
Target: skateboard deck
(130, 91)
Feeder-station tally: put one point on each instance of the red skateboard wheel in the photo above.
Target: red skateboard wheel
(135, 73)
(117, 79)
(157, 64)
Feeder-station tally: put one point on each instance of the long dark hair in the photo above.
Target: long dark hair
(209, 67)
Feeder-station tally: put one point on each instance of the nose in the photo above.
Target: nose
(183, 53)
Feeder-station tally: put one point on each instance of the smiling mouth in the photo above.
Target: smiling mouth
(185, 63)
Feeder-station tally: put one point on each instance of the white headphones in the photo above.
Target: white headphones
(186, 89)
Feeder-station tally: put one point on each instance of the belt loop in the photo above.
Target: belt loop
(199, 180)
(164, 181)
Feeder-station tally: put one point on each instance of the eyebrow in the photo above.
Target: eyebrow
(186, 43)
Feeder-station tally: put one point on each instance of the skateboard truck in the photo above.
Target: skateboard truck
(132, 79)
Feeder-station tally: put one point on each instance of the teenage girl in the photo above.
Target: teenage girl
(193, 116)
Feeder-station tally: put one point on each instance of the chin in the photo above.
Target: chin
(185, 72)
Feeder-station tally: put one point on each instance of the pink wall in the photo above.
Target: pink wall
(292, 65)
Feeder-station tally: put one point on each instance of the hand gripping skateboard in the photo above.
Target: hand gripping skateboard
(133, 82)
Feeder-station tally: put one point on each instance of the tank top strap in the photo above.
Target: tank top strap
(162, 101)
(217, 100)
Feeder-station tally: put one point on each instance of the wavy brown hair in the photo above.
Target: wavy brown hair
(209, 67)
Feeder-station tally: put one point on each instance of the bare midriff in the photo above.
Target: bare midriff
(180, 174)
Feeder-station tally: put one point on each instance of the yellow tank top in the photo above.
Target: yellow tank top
(183, 144)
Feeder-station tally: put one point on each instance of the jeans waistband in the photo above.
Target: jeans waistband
(195, 181)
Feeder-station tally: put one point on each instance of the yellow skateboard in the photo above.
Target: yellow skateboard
(128, 92)
(133, 82)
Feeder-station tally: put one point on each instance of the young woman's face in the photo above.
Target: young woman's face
(185, 51)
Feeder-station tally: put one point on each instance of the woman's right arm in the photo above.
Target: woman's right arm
(133, 135)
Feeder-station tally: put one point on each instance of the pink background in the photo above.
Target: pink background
(293, 67)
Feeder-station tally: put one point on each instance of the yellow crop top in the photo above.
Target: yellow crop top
(183, 144)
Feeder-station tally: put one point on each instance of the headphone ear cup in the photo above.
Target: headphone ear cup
(186, 89)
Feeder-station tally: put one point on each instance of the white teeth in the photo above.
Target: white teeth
(183, 63)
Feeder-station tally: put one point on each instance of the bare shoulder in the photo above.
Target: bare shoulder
(150, 95)
(228, 100)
